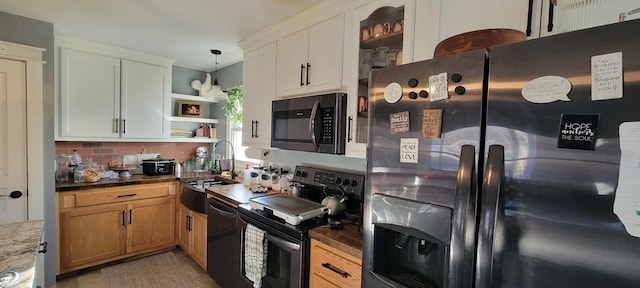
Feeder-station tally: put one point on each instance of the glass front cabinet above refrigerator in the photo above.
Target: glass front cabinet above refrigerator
(381, 36)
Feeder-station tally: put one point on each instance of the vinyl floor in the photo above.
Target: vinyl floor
(97, 278)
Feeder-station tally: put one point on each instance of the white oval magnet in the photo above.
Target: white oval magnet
(393, 93)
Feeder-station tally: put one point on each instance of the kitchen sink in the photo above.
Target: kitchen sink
(194, 194)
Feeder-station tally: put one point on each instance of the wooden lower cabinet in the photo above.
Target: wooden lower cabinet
(124, 223)
(330, 267)
(150, 224)
(91, 234)
(192, 234)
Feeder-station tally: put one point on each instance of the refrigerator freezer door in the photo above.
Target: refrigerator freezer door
(430, 176)
(556, 204)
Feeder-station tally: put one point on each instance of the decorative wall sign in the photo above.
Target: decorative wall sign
(606, 76)
(399, 122)
(578, 131)
(431, 123)
(409, 148)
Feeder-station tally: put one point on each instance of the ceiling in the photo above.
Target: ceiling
(183, 30)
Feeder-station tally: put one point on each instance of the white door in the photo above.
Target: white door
(13, 141)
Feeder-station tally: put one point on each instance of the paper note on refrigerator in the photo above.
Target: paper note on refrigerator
(627, 200)
(606, 76)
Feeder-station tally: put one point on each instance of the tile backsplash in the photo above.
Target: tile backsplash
(103, 152)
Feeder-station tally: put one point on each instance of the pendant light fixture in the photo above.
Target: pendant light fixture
(216, 91)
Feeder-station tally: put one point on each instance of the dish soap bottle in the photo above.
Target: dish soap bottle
(246, 179)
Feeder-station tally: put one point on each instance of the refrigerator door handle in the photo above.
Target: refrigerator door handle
(489, 216)
(464, 221)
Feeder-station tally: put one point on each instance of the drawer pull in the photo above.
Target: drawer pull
(336, 270)
(127, 195)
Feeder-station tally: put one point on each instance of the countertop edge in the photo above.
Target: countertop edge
(19, 245)
(347, 240)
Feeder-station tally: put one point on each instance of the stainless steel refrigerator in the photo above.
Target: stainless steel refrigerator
(518, 167)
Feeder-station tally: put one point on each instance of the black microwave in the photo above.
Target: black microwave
(311, 123)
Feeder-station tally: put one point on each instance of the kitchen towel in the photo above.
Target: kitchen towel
(255, 254)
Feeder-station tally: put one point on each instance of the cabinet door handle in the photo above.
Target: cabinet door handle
(44, 247)
(349, 129)
(336, 270)
(550, 20)
(529, 16)
(308, 69)
(257, 128)
(301, 74)
(190, 222)
(122, 217)
(124, 126)
(115, 124)
(130, 216)
(253, 129)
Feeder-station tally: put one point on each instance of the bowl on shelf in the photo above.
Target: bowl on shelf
(478, 39)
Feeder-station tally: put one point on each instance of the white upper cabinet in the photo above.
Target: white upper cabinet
(570, 15)
(104, 95)
(90, 95)
(143, 99)
(259, 87)
(460, 16)
(310, 60)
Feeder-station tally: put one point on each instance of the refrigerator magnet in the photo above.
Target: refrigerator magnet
(431, 123)
(409, 150)
(578, 131)
(606, 76)
(438, 87)
(399, 122)
(393, 93)
(547, 89)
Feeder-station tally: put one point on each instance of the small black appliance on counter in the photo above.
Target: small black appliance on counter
(157, 166)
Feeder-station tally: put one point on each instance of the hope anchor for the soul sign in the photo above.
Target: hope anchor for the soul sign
(578, 131)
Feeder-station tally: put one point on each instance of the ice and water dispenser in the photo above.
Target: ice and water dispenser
(410, 242)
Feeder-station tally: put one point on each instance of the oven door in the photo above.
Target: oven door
(312, 124)
(285, 259)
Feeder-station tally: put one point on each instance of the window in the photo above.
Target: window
(235, 137)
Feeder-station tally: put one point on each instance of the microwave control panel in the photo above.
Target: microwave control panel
(327, 125)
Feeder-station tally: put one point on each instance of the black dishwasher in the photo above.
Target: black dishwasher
(224, 245)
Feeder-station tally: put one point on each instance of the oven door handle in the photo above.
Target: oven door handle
(312, 125)
(284, 244)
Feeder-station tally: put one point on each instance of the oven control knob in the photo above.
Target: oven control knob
(298, 173)
(354, 183)
(346, 182)
(338, 180)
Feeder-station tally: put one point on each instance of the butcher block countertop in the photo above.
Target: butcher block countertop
(347, 240)
(19, 246)
(234, 194)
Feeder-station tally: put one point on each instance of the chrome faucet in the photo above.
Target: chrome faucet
(233, 157)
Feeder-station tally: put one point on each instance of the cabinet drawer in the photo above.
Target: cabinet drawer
(99, 196)
(335, 266)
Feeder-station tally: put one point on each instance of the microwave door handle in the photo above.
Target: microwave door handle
(312, 124)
